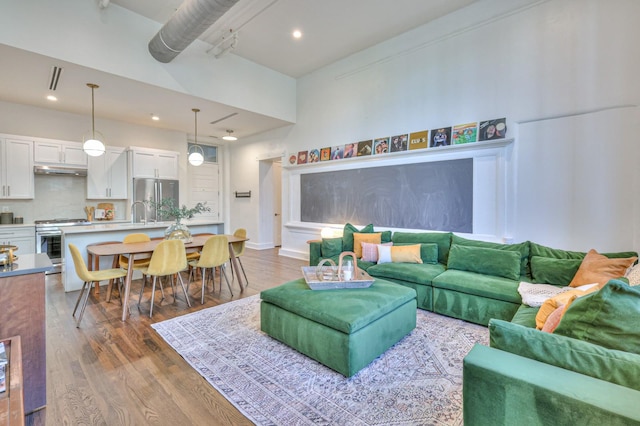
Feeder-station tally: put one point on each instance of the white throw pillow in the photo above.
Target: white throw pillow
(535, 294)
(633, 275)
(384, 254)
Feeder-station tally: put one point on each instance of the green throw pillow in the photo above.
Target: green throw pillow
(347, 235)
(554, 271)
(609, 317)
(521, 248)
(487, 261)
(331, 247)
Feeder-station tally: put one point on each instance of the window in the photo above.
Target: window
(210, 152)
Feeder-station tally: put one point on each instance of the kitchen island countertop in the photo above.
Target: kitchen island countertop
(106, 226)
(25, 264)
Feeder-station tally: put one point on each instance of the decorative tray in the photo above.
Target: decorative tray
(332, 281)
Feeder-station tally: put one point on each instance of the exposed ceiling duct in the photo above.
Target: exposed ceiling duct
(188, 23)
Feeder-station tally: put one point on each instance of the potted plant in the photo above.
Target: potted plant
(167, 208)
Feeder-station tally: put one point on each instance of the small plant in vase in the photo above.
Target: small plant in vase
(167, 209)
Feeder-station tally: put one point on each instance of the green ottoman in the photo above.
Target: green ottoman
(344, 329)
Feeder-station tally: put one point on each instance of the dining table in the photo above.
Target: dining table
(147, 247)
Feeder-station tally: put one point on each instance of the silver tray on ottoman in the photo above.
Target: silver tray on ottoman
(332, 281)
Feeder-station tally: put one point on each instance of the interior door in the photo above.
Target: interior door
(277, 203)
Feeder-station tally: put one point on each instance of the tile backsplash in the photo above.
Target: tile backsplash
(58, 197)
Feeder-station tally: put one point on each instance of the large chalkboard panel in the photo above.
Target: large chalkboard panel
(432, 196)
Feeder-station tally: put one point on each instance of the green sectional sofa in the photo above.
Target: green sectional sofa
(586, 372)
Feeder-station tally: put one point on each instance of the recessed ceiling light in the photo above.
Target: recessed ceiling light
(297, 34)
(52, 98)
(155, 117)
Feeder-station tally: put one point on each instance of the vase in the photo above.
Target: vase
(178, 231)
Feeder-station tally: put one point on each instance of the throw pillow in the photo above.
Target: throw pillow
(359, 238)
(370, 251)
(553, 271)
(331, 247)
(608, 317)
(384, 254)
(597, 268)
(487, 261)
(554, 318)
(347, 235)
(554, 302)
(633, 275)
(535, 295)
(406, 254)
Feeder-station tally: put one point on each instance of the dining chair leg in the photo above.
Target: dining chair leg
(84, 304)
(222, 272)
(84, 286)
(204, 280)
(184, 289)
(153, 293)
(243, 273)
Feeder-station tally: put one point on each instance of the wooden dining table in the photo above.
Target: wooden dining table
(147, 247)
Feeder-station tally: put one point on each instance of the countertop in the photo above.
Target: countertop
(119, 225)
(27, 264)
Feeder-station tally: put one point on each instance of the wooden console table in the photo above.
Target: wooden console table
(12, 400)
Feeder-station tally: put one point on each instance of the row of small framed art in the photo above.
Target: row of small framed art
(436, 138)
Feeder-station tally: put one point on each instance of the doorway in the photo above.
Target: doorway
(270, 202)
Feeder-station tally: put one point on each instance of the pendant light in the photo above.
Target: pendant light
(229, 136)
(196, 154)
(92, 145)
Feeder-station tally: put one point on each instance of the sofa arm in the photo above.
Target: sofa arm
(315, 252)
(503, 388)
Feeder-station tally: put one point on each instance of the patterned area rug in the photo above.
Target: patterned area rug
(418, 381)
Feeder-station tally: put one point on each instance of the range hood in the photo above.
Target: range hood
(56, 170)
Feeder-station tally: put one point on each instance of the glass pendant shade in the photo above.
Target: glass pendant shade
(229, 136)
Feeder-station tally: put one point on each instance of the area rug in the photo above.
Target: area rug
(416, 382)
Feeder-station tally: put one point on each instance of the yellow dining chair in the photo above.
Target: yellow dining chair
(168, 259)
(195, 255)
(215, 253)
(89, 278)
(238, 249)
(137, 263)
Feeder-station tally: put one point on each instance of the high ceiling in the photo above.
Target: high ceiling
(331, 30)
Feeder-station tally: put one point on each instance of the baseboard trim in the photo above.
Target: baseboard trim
(295, 254)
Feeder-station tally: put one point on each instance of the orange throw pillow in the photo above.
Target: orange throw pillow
(562, 299)
(597, 268)
(554, 319)
(361, 237)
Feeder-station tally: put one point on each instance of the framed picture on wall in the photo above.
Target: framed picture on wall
(325, 154)
(381, 146)
(419, 140)
(350, 150)
(465, 133)
(399, 143)
(493, 129)
(365, 148)
(440, 137)
(314, 156)
(302, 157)
(337, 152)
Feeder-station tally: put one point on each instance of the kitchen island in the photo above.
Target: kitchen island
(82, 236)
(22, 313)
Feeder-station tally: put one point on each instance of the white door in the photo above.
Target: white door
(277, 203)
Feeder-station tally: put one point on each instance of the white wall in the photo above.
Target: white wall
(564, 74)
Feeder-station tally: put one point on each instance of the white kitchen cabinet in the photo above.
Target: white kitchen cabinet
(107, 175)
(60, 153)
(154, 163)
(16, 168)
(24, 237)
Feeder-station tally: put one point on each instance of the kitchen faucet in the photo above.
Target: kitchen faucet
(133, 205)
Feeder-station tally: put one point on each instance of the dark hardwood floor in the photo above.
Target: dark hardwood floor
(110, 372)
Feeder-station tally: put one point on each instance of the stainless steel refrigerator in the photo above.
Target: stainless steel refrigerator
(153, 190)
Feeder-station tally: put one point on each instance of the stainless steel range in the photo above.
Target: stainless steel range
(49, 239)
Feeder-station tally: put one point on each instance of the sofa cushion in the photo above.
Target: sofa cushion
(543, 251)
(419, 273)
(598, 268)
(553, 271)
(521, 248)
(525, 316)
(331, 247)
(614, 366)
(368, 237)
(488, 286)
(484, 260)
(608, 317)
(347, 235)
(442, 239)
